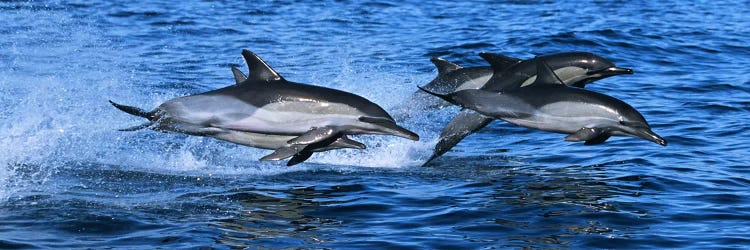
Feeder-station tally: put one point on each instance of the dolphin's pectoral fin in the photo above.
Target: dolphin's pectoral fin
(239, 77)
(139, 127)
(390, 126)
(315, 135)
(345, 142)
(499, 62)
(339, 143)
(284, 152)
(598, 140)
(299, 158)
(444, 66)
(298, 153)
(585, 134)
(315, 140)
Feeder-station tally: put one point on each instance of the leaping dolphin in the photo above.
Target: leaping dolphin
(549, 105)
(264, 110)
(573, 68)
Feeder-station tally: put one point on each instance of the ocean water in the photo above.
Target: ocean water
(69, 179)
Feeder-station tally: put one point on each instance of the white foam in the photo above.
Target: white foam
(48, 90)
(56, 113)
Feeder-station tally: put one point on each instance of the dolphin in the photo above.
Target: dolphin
(549, 105)
(266, 111)
(578, 68)
(573, 68)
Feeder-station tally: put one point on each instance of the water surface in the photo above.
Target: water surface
(69, 179)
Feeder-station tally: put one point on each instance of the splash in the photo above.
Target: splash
(394, 92)
(47, 92)
(63, 69)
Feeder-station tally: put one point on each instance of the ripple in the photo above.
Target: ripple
(173, 23)
(136, 14)
(5, 244)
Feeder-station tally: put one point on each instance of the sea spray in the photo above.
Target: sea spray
(48, 89)
(56, 115)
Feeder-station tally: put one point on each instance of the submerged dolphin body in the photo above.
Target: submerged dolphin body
(548, 105)
(266, 111)
(573, 68)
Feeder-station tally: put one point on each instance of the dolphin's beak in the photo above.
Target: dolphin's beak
(651, 136)
(402, 132)
(611, 71)
(389, 127)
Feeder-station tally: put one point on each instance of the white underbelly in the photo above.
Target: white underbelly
(286, 122)
(475, 83)
(286, 118)
(560, 124)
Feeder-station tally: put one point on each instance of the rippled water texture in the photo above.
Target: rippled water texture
(69, 179)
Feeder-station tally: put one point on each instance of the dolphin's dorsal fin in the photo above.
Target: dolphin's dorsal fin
(499, 62)
(239, 77)
(444, 66)
(544, 74)
(259, 70)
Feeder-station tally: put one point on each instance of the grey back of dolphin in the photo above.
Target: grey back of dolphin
(573, 68)
(549, 105)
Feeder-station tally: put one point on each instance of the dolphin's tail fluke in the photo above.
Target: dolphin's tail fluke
(134, 111)
(139, 127)
(442, 96)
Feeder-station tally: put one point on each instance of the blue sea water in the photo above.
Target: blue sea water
(69, 179)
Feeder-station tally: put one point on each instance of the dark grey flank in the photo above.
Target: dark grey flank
(266, 111)
(573, 68)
